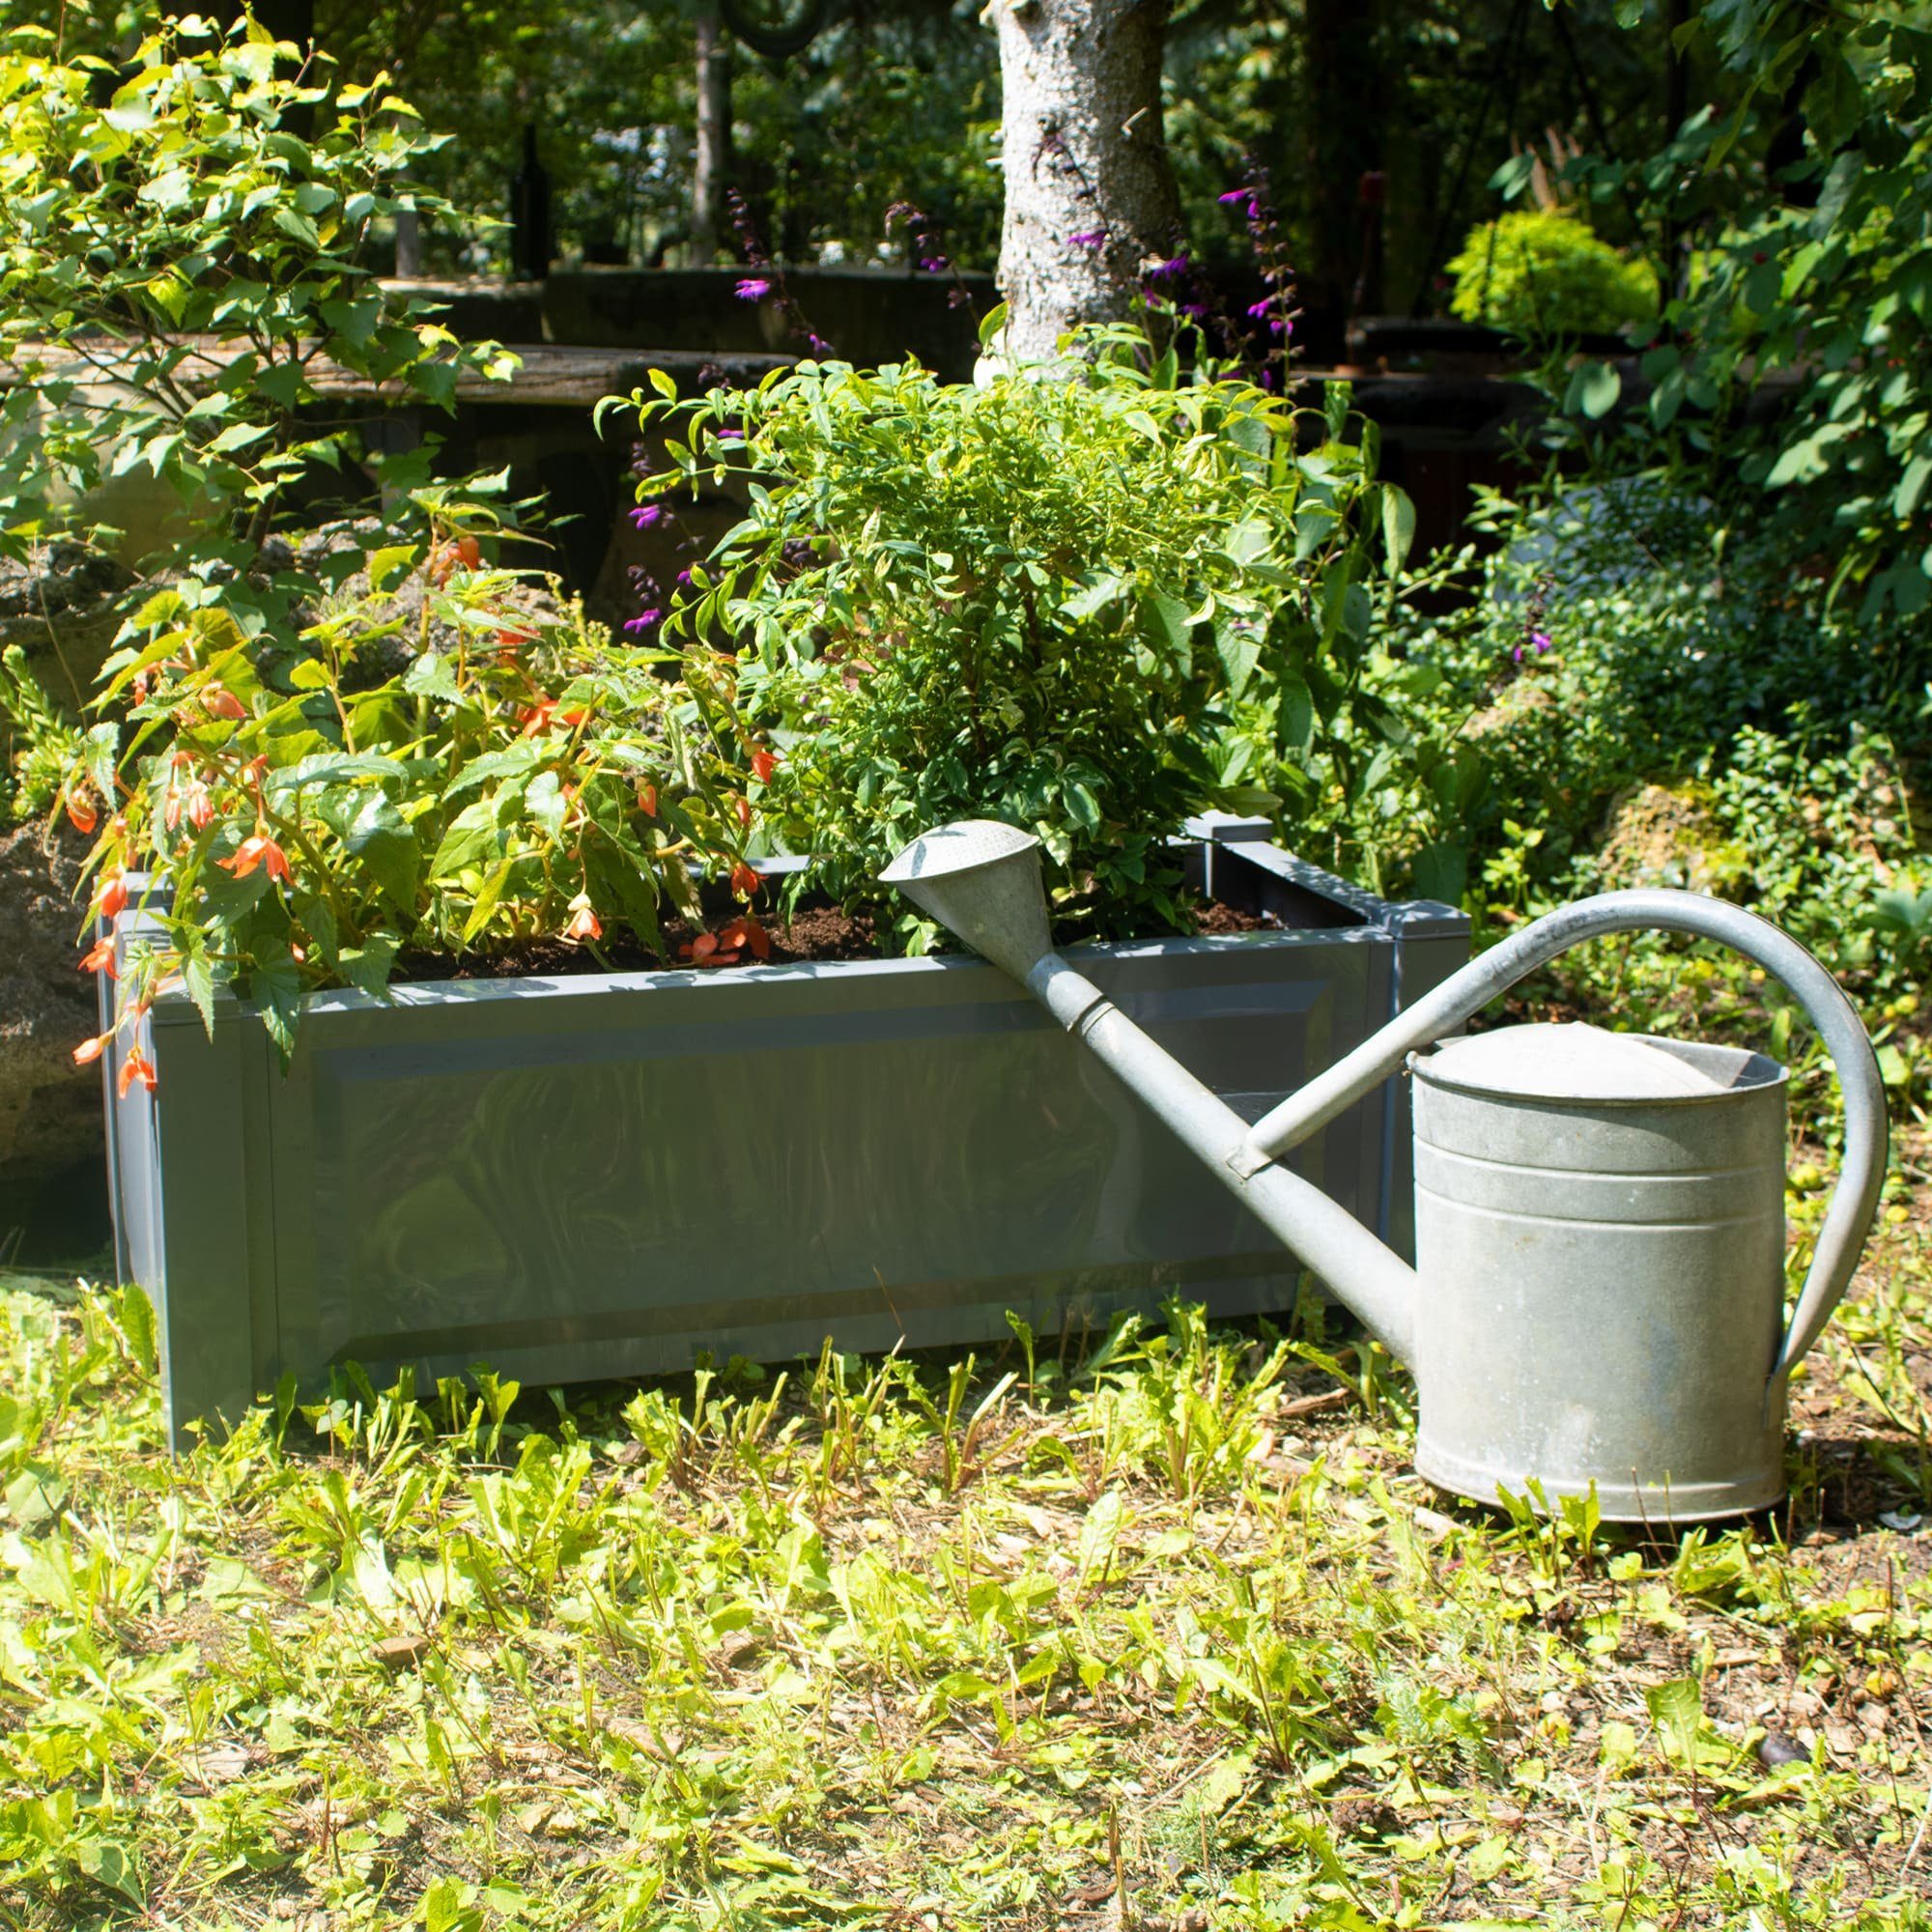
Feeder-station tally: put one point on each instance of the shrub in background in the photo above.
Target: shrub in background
(1542, 274)
(1792, 376)
(177, 268)
(1038, 597)
(1638, 694)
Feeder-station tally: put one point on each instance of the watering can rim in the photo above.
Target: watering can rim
(1750, 1072)
(962, 845)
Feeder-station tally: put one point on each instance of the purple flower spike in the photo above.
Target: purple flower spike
(817, 344)
(727, 436)
(1234, 197)
(1540, 639)
(643, 621)
(1259, 310)
(647, 514)
(1198, 310)
(1515, 656)
(1088, 237)
(1165, 272)
(935, 265)
(684, 579)
(753, 289)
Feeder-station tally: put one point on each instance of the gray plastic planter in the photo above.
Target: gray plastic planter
(605, 1175)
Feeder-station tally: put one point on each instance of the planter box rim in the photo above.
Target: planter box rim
(174, 1007)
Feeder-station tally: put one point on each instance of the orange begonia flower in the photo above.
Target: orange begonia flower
(90, 1050)
(763, 765)
(101, 959)
(746, 932)
(136, 1066)
(113, 894)
(218, 701)
(583, 920)
(745, 881)
(81, 813)
(647, 800)
(260, 850)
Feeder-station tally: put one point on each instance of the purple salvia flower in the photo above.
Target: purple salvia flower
(643, 621)
(1234, 197)
(817, 344)
(1260, 310)
(1088, 237)
(753, 289)
(935, 265)
(1540, 639)
(684, 579)
(1165, 272)
(647, 514)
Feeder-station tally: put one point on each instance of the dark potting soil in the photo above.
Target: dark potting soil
(814, 933)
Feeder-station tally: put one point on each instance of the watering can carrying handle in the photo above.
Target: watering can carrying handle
(1464, 994)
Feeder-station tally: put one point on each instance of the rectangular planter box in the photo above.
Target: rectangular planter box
(607, 1174)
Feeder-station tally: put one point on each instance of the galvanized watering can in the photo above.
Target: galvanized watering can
(1597, 1295)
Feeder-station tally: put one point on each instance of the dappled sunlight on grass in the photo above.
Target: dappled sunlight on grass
(1169, 1636)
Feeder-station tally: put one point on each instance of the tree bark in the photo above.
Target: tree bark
(711, 159)
(1085, 155)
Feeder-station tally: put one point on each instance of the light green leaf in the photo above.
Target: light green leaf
(1397, 527)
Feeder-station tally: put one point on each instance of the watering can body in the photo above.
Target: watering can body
(1598, 1299)
(1602, 1275)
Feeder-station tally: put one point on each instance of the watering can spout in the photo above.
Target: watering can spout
(981, 880)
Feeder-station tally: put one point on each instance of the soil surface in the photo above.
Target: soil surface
(816, 933)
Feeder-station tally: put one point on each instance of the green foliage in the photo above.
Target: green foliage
(1540, 273)
(41, 742)
(318, 780)
(314, 806)
(141, 226)
(1702, 718)
(1794, 363)
(1031, 599)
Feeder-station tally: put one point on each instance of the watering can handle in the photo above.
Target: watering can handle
(1464, 994)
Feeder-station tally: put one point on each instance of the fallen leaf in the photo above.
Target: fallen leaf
(400, 1652)
(220, 1763)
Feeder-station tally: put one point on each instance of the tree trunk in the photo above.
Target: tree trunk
(712, 156)
(1085, 156)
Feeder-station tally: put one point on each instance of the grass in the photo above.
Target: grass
(1166, 1637)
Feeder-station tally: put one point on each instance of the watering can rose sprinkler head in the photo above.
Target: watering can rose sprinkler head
(1598, 1300)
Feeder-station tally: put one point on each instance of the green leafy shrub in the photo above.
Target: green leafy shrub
(319, 775)
(1793, 372)
(178, 277)
(314, 809)
(42, 743)
(1030, 599)
(1702, 716)
(1540, 273)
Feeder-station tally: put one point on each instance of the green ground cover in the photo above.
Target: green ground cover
(1157, 1632)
